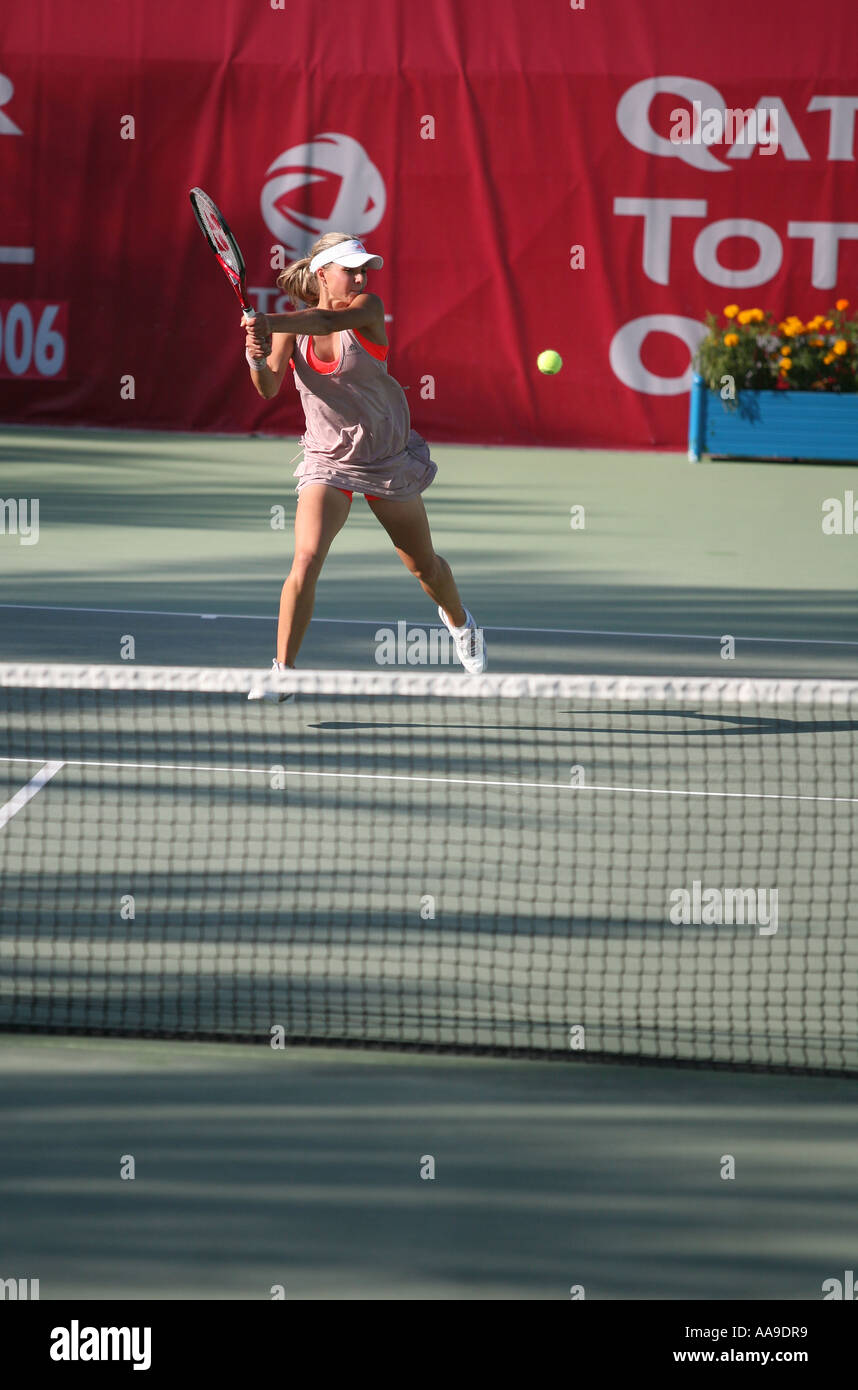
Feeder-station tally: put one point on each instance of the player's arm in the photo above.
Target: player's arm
(365, 311)
(269, 380)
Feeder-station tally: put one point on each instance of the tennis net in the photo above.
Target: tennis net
(571, 867)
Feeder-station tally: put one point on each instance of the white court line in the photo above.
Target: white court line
(421, 623)
(35, 784)
(444, 781)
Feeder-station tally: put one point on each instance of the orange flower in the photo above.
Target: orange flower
(731, 311)
(731, 339)
(829, 323)
(745, 315)
(785, 364)
(828, 358)
(841, 347)
(842, 304)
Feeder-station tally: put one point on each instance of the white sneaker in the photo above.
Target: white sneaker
(259, 692)
(470, 643)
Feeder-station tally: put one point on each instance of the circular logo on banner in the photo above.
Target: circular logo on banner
(346, 191)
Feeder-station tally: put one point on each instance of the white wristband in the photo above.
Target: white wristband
(256, 364)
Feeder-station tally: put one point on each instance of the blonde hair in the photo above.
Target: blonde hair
(298, 281)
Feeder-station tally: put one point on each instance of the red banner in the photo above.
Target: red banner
(584, 175)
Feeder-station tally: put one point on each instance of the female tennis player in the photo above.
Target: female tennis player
(358, 435)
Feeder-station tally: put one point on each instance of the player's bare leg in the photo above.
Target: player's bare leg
(321, 512)
(408, 527)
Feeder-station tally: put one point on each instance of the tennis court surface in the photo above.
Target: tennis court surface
(380, 865)
(661, 870)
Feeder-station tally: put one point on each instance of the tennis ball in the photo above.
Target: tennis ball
(549, 362)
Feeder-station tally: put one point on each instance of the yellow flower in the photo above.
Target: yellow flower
(828, 323)
(785, 364)
(745, 315)
(828, 359)
(757, 315)
(731, 311)
(815, 321)
(787, 348)
(842, 304)
(841, 347)
(731, 339)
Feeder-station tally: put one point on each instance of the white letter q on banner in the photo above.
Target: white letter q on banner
(633, 119)
(625, 353)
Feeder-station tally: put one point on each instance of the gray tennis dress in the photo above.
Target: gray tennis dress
(358, 431)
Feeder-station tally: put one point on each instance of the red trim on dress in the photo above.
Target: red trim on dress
(316, 362)
(375, 350)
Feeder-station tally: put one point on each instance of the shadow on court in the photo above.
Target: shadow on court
(299, 1168)
(164, 528)
(239, 629)
(255, 1168)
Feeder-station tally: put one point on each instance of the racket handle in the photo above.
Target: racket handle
(250, 313)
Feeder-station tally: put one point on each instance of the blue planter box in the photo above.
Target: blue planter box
(773, 424)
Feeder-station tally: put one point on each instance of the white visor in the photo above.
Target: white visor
(348, 253)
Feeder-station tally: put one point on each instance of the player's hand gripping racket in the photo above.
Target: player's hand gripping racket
(224, 245)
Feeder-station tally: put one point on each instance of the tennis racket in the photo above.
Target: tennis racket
(221, 240)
